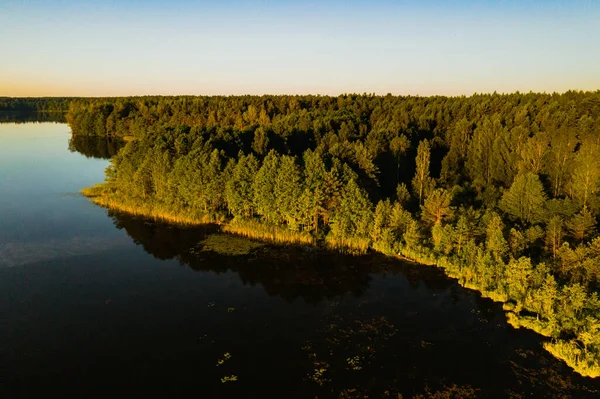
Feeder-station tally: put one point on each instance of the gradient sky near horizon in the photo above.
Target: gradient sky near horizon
(101, 48)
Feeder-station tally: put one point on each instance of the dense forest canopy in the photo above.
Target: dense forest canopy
(500, 190)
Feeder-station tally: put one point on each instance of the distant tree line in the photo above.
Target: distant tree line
(35, 104)
(503, 191)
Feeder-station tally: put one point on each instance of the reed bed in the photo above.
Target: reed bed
(583, 362)
(257, 230)
(136, 208)
(353, 246)
(539, 326)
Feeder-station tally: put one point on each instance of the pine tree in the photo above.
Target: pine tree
(533, 153)
(518, 273)
(562, 145)
(525, 200)
(495, 241)
(554, 235)
(354, 216)
(398, 146)
(287, 190)
(261, 141)
(381, 219)
(436, 207)
(264, 188)
(413, 238)
(479, 155)
(586, 176)
(402, 194)
(581, 225)
(545, 297)
(315, 188)
(239, 188)
(422, 183)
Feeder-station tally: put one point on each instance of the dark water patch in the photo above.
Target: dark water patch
(226, 245)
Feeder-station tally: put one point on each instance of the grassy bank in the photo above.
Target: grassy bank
(256, 230)
(575, 357)
(98, 196)
(582, 361)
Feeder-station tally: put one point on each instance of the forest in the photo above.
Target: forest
(500, 190)
(35, 104)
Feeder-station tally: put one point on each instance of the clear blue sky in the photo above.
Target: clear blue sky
(329, 47)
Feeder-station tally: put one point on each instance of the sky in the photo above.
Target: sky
(127, 47)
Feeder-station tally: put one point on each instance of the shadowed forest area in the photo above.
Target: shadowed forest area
(499, 190)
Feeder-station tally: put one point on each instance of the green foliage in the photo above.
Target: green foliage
(353, 217)
(306, 169)
(264, 188)
(525, 200)
(581, 225)
(239, 188)
(287, 190)
(495, 241)
(554, 235)
(402, 194)
(436, 207)
(422, 183)
(33, 104)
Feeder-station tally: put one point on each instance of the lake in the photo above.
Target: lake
(98, 303)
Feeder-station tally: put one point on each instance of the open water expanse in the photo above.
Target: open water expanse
(99, 304)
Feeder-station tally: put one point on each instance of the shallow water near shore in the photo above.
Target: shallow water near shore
(101, 303)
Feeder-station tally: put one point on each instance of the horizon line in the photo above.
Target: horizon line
(372, 94)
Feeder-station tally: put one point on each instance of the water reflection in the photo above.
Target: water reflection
(289, 273)
(422, 326)
(95, 147)
(32, 117)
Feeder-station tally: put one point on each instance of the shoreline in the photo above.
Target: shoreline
(567, 351)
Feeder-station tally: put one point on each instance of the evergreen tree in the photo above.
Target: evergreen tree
(525, 199)
(518, 273)
(413, 237)
(353, 218)
(495, 241)
(398, 146)
(402, 194)
(287, 190)
(422, 183)
(261, 141)
(436, 207)
(381, 219)
(239, 188)
(264, 188)
(554, 235)
(581, 225)
(479, 156)
(586, 176)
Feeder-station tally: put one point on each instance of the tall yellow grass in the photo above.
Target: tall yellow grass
(152, 211)
(584, 363)
(354, 246)
(539, 326)
(257, 230)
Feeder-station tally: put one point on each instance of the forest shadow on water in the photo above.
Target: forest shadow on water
(355, 326)
(95, 147)
(32, 117)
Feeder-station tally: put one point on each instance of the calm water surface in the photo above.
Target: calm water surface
(97, 303)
